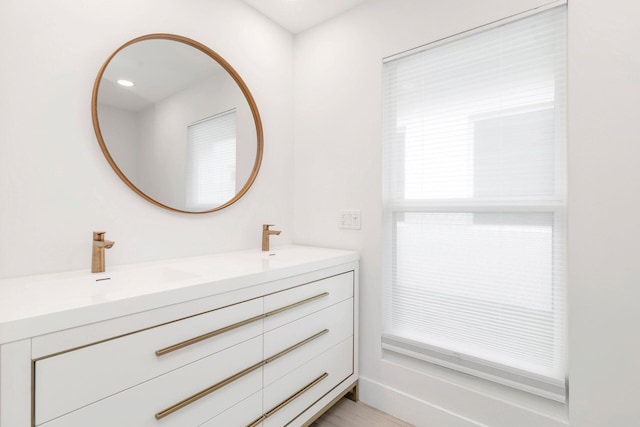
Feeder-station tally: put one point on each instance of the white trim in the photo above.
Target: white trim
(409, 408)
(213, 116)
(422, 412)
(530, 383)
(474, 206)
(475, 30)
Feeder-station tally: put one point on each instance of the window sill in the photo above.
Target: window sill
(504, 394)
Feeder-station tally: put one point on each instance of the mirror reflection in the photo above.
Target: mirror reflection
(177, 124)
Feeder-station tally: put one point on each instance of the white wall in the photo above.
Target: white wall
(120, 128)
(338, 166)
(604, 218)
(55, 184)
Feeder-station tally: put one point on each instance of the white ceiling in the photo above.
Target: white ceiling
(158, 69)
(299, 15)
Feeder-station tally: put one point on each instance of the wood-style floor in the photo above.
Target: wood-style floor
(347, 413)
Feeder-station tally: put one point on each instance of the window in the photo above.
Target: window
(211, 161)
(474, 204)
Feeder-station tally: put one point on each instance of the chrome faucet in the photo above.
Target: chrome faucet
(97, 251)
(265, 235)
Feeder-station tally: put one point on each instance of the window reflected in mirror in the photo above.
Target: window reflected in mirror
(211, 161)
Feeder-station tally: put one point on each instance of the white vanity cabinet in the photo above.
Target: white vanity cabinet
(76, 378)
(269, 342)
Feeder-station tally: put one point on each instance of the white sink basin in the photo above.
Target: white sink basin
(116, 284)
(137, 278)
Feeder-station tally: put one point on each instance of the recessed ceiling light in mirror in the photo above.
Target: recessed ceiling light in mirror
(125, 83)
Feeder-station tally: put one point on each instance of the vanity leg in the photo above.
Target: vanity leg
(15, 388)
(353, 393)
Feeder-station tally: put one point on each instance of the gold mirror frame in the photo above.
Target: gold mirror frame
(229, 69)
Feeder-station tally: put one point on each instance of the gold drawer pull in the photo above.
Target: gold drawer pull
(239, 375)
(296, 304)
(296, 395)
(212, 334)
(295, 346)
(288, 400)
(257, 421)
(208, 335)
(189, 400)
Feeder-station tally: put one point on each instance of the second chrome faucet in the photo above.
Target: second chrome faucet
(265, 235)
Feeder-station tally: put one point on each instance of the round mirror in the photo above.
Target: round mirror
(177, 123)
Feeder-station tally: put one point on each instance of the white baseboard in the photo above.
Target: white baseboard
(408, 408)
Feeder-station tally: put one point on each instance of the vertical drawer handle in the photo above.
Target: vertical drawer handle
(208, 335)
(193, 398)
(288, 400)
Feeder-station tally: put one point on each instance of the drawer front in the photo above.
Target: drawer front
(288, 397)
(324, 329)
(139, 406)
(306, 299)
(239, 415)
(77, 378)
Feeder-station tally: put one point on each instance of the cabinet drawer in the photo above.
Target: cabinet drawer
(239, 415)
(311, 297)
(329, 327)
(292, 394)
(138, 406)
(77, 378)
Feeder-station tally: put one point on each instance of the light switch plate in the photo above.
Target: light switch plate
(350, 220)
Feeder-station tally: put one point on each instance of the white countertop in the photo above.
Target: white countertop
(33, 305)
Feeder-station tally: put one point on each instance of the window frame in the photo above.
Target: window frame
(555, 204)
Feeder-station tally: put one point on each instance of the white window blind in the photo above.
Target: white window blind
(211, 161)
(474, 203)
